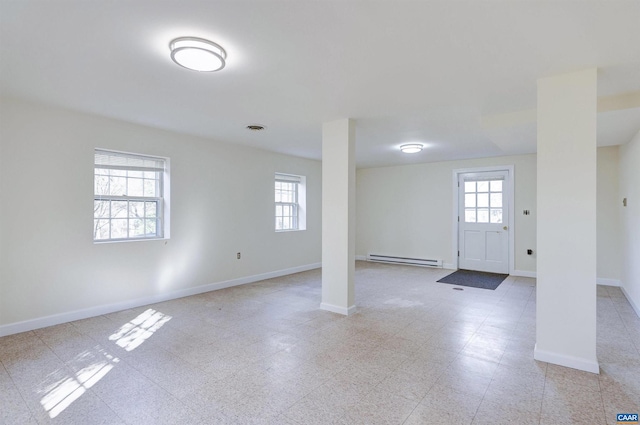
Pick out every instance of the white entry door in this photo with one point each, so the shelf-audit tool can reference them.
(483, 219)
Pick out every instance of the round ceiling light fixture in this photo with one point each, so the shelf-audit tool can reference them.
(411, 148)
(198, 54)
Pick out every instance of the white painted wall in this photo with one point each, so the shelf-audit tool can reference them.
(608, 201)
(630, 219)
(221, 203)
(407, 210)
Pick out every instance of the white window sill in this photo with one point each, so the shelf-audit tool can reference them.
(128, 240)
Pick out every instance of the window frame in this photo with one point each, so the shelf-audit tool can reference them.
(295, 205)
(160, 200)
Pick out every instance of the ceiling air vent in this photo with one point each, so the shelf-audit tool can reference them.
(255, 127)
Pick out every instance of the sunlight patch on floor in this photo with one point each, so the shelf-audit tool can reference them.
(60, 394)
(62, 390)
(138, 330)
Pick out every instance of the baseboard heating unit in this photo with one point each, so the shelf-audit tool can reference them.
(404, 260)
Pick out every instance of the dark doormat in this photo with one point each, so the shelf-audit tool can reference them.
(474, 279)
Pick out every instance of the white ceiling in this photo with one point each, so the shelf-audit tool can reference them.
(425, 71)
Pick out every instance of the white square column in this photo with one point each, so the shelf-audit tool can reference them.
(566, 239)
(338, 216)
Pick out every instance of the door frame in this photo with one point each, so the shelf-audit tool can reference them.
(510, 196)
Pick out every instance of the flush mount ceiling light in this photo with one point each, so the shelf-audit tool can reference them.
(198, 54)
(411, 148)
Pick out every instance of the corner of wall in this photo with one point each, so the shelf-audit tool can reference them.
(629, 204)
(634, 305)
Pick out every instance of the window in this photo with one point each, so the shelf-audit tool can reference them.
(483, 201)
(290, 200)
(129, 196)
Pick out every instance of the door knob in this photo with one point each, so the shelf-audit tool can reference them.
(505, 228)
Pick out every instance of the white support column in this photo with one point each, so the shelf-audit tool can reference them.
(338, 216)
(566, 203)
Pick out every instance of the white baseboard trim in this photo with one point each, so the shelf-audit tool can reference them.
(634, 305)
(346, 311)
(567, 361)
(607, 282)
(523, 273)
(361, 258)
(56, 319)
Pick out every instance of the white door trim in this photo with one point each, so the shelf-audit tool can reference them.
(510, 195)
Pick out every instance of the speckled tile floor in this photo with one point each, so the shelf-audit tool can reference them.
(416, 352)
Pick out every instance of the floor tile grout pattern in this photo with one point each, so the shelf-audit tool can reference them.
(416, 352)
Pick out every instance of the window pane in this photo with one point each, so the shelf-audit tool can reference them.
(119, 209)
(470, 216)
(150, 227)
(120, 173)
(150, 188)
(119, 228)
(101, 229)
(101, 209)
(286, 223)
(134, 187)
(483, 216)
(118, 186)
(496, 200)
(135, 174)
(151, 175)
(483, 199)
(136, 227)
(469, 186)
(136, 209)
(496, 186)
(496, 215)
(150, 209)
(483, 186)
(278, 210)
(278, 223)
(101, 185)
(470, 200)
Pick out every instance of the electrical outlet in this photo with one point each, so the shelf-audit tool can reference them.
(238, 256)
